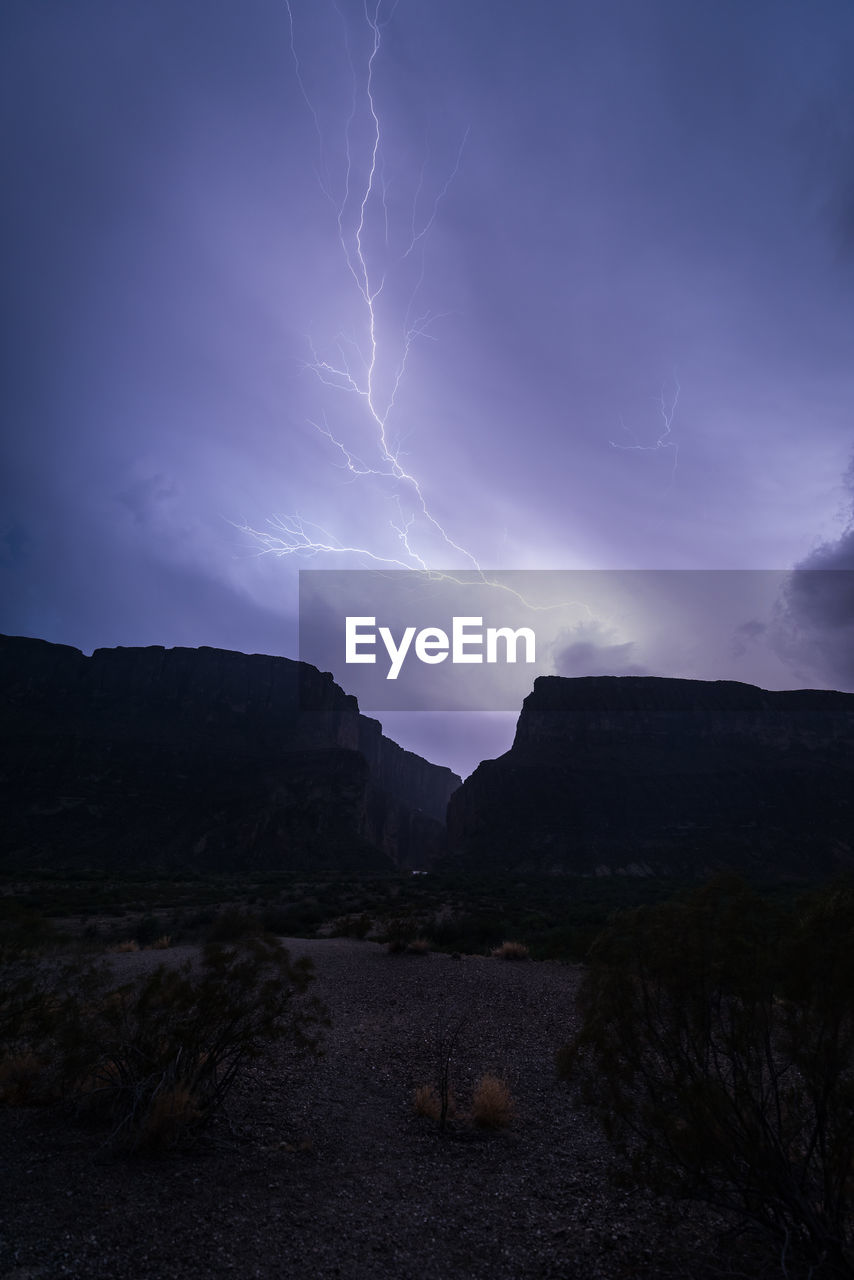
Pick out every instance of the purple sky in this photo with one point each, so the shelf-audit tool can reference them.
(620, 236)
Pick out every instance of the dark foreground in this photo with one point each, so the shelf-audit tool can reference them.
(322, 1168)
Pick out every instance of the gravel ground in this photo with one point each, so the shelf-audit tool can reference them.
(323, 1169)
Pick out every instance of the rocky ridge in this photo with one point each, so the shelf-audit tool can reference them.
(153, 757)
(640, 775)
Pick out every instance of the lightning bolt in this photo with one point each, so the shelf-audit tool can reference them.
(664, 440)
(357, 367)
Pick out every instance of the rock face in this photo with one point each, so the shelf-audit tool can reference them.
(202, 758)
(639, 775)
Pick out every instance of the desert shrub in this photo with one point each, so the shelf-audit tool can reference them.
(38, 1005)
(23, 929)
(234, 925)
(200, 919)
(511, 951)
(471, 930)
(399, 933)
(21, 997)
(717, 1044)
(361, 925)
(492, 1105)
(149, 928)
(352, 926)
(156, 1057)
(279, 920)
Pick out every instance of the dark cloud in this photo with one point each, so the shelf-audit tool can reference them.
(587, 649)
(747, 634)
(814, 629)
(109, 594)
(146, 497)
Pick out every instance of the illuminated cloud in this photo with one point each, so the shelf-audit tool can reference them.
(589, 649)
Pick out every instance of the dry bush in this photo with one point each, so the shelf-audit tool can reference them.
(512, 951)
(437, 1101)
(717, 1046)
(232, 925)
(419, 947)
(36, 1000)
(163, 943)
(492, 1105)
(156, 1057)
(352, 926)
(130, 944)
(398, 935)
(187, 1034)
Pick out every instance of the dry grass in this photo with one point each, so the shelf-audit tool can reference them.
(419, 947)
(428, 1103)
(512, 951)
(172, 1113)
(492, 1105)
(162, 943)
(130, 944)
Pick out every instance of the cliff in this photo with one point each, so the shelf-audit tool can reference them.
(202, 757)
(640, 775)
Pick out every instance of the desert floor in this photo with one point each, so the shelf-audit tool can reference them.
(322, 1168)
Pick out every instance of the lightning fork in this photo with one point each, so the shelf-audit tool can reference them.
(664, 439)
(358, 366)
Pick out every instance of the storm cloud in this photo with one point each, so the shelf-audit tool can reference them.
(569, 212)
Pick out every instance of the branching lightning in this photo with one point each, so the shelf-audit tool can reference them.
(664, 440)
(359, 367)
